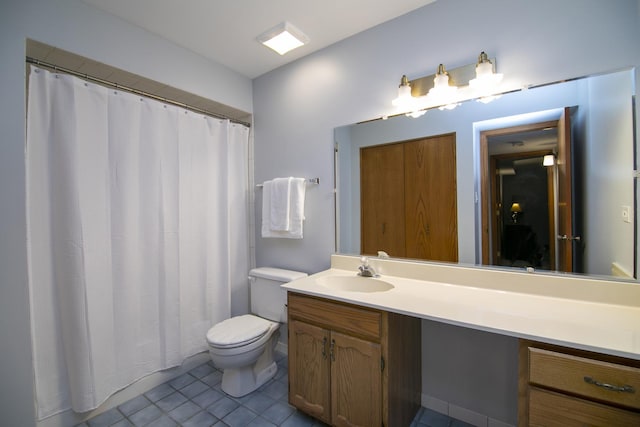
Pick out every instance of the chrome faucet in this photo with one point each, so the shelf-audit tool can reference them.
(365, 270)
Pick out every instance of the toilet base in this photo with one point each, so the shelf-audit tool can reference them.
(241, 381)
(238, 382)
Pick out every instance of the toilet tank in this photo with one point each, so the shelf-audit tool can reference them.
(268, 299)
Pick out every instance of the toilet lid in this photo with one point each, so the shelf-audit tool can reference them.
(238, 331)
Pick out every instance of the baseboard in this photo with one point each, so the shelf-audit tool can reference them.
(459, 413)
(70, 418)
(282, 348)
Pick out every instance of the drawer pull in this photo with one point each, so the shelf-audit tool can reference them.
(623, 389)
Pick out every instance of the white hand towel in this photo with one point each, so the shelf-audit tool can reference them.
(266, 209)
(280, 211)
(296, 218)
(298, 188)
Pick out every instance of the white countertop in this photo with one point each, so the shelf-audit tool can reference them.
(596, 315)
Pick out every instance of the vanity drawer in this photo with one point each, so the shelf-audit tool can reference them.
(590, 378)
(551, 409)
(335, 315)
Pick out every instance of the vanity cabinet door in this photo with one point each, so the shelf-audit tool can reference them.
(336, 369)
(356, 381)
(309, 369)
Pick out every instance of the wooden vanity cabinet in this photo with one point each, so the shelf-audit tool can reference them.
(351, 365)
(560, 386)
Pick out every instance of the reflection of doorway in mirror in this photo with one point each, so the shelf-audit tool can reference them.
(524, 216)
(527, 205)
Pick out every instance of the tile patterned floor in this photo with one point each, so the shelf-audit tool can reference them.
(195, 399)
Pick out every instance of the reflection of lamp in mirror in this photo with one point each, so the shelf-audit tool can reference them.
(548, 160)
(516, 211)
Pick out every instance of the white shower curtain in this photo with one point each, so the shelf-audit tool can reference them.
(137, 235)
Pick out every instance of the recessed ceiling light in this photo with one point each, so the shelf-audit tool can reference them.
(283, 38)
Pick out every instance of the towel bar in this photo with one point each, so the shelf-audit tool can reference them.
(309, 181)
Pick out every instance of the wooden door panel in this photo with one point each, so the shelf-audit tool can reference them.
(431, 199)
(309, 369)
(356, 381)
(565, 223)
(382, 200)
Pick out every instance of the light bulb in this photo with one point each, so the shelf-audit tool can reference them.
(442, 93)
(404, 99)
(485, 79)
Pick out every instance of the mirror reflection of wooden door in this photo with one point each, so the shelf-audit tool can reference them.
(382, 200)
(420, 209)
(496, 212)
(431, 213)
(562, 227)
(565, 214)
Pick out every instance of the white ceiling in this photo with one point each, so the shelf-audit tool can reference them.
(225, 31)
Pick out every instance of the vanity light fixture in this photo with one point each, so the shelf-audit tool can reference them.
(283, 38)
(446, 89)
(548, 160)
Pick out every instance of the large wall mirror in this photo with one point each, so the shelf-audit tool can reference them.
(575, 214)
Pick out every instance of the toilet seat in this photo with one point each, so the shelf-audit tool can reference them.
(238, 331)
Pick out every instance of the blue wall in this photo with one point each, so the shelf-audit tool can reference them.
(297, 107)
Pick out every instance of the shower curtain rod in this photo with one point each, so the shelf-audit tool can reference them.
(103, 82)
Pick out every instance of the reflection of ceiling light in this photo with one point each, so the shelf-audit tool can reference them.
(488, 99)
(416, 113)
(506, 171)
(548, 160)
(283, 38)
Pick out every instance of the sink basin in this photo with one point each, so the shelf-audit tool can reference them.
(355, 283)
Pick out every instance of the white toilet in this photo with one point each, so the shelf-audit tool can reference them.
(242, 346)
